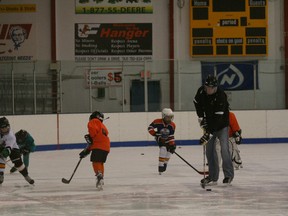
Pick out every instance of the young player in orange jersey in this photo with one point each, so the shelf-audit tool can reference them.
(100, 146)
(163, 130)
(235, 139)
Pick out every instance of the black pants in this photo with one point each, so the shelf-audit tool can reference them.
(98, 155)
(16, 159)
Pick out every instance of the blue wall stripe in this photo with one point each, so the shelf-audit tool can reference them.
(53, 147)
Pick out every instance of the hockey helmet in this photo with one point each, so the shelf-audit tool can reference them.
(4, 126)
(211, 81)
(4, 122)
(167, 115)
(98, 115)
(21, 136)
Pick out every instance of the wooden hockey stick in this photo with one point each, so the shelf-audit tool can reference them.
(204, 160)
(204, 164)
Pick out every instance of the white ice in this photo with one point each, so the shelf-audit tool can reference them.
(133, 186)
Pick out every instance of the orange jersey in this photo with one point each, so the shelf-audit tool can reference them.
(99, 134)
(233, 124)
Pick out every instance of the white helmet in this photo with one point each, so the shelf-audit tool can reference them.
(169, 113)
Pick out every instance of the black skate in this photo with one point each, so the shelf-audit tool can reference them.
(1, 177)
(207, 182)
(13, 169)
(29, 180)
(162, 169)
(227, 180)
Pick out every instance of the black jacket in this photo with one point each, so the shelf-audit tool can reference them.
(215, 107)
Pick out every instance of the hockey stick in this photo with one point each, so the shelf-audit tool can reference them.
(89, 142)
(200, 172)
(106, 118)
(204, 164)
(65, 181)
(204, 160)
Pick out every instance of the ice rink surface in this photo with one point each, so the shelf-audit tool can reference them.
(133, 186)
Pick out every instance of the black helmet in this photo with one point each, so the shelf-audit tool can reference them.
(4, 122)
(98, 115)
(21, 136)
(211, 81)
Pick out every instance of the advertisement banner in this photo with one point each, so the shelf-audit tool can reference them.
(103, 77)
(113, 7)
(17, 42)
(234, 75)
(113, 42)
(18, 8)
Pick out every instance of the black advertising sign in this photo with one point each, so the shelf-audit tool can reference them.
(113, 41)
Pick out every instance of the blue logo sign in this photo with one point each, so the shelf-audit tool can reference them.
(233, 76)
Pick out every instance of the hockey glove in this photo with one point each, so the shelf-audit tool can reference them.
(204, 139)
(5, 153)
(238, 140)
(84, 153)
(203, 123)
(171, 148)
(88, 139)
(237, 137)
(160, 140)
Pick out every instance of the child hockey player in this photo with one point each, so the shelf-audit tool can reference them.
(235, 139)
(9, 147)
(163, 130)
(26, 145)
(100, 146)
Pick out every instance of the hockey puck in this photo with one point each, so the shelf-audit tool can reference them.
(208, 189)
(142, 153)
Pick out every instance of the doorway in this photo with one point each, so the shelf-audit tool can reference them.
(137, 96)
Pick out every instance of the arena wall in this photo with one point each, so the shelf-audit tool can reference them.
(66, 131)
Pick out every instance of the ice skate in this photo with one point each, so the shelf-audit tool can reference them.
(208, 181)
(1, 177)
(99, 181)
(162, 169)
(13, 169)
(237, 164)
(29, 179)
(227, 180)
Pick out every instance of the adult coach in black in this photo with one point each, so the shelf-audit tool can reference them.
(212, 109)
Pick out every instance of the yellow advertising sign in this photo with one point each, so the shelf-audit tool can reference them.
(18, 8)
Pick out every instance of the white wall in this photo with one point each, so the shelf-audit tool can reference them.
(271, 78)
(133, 126)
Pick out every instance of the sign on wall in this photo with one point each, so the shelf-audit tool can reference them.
(103, 77)
(113, 7)
(17, 8)
(17, 42)
(113, 41)
(228, 28)
(234, 75)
